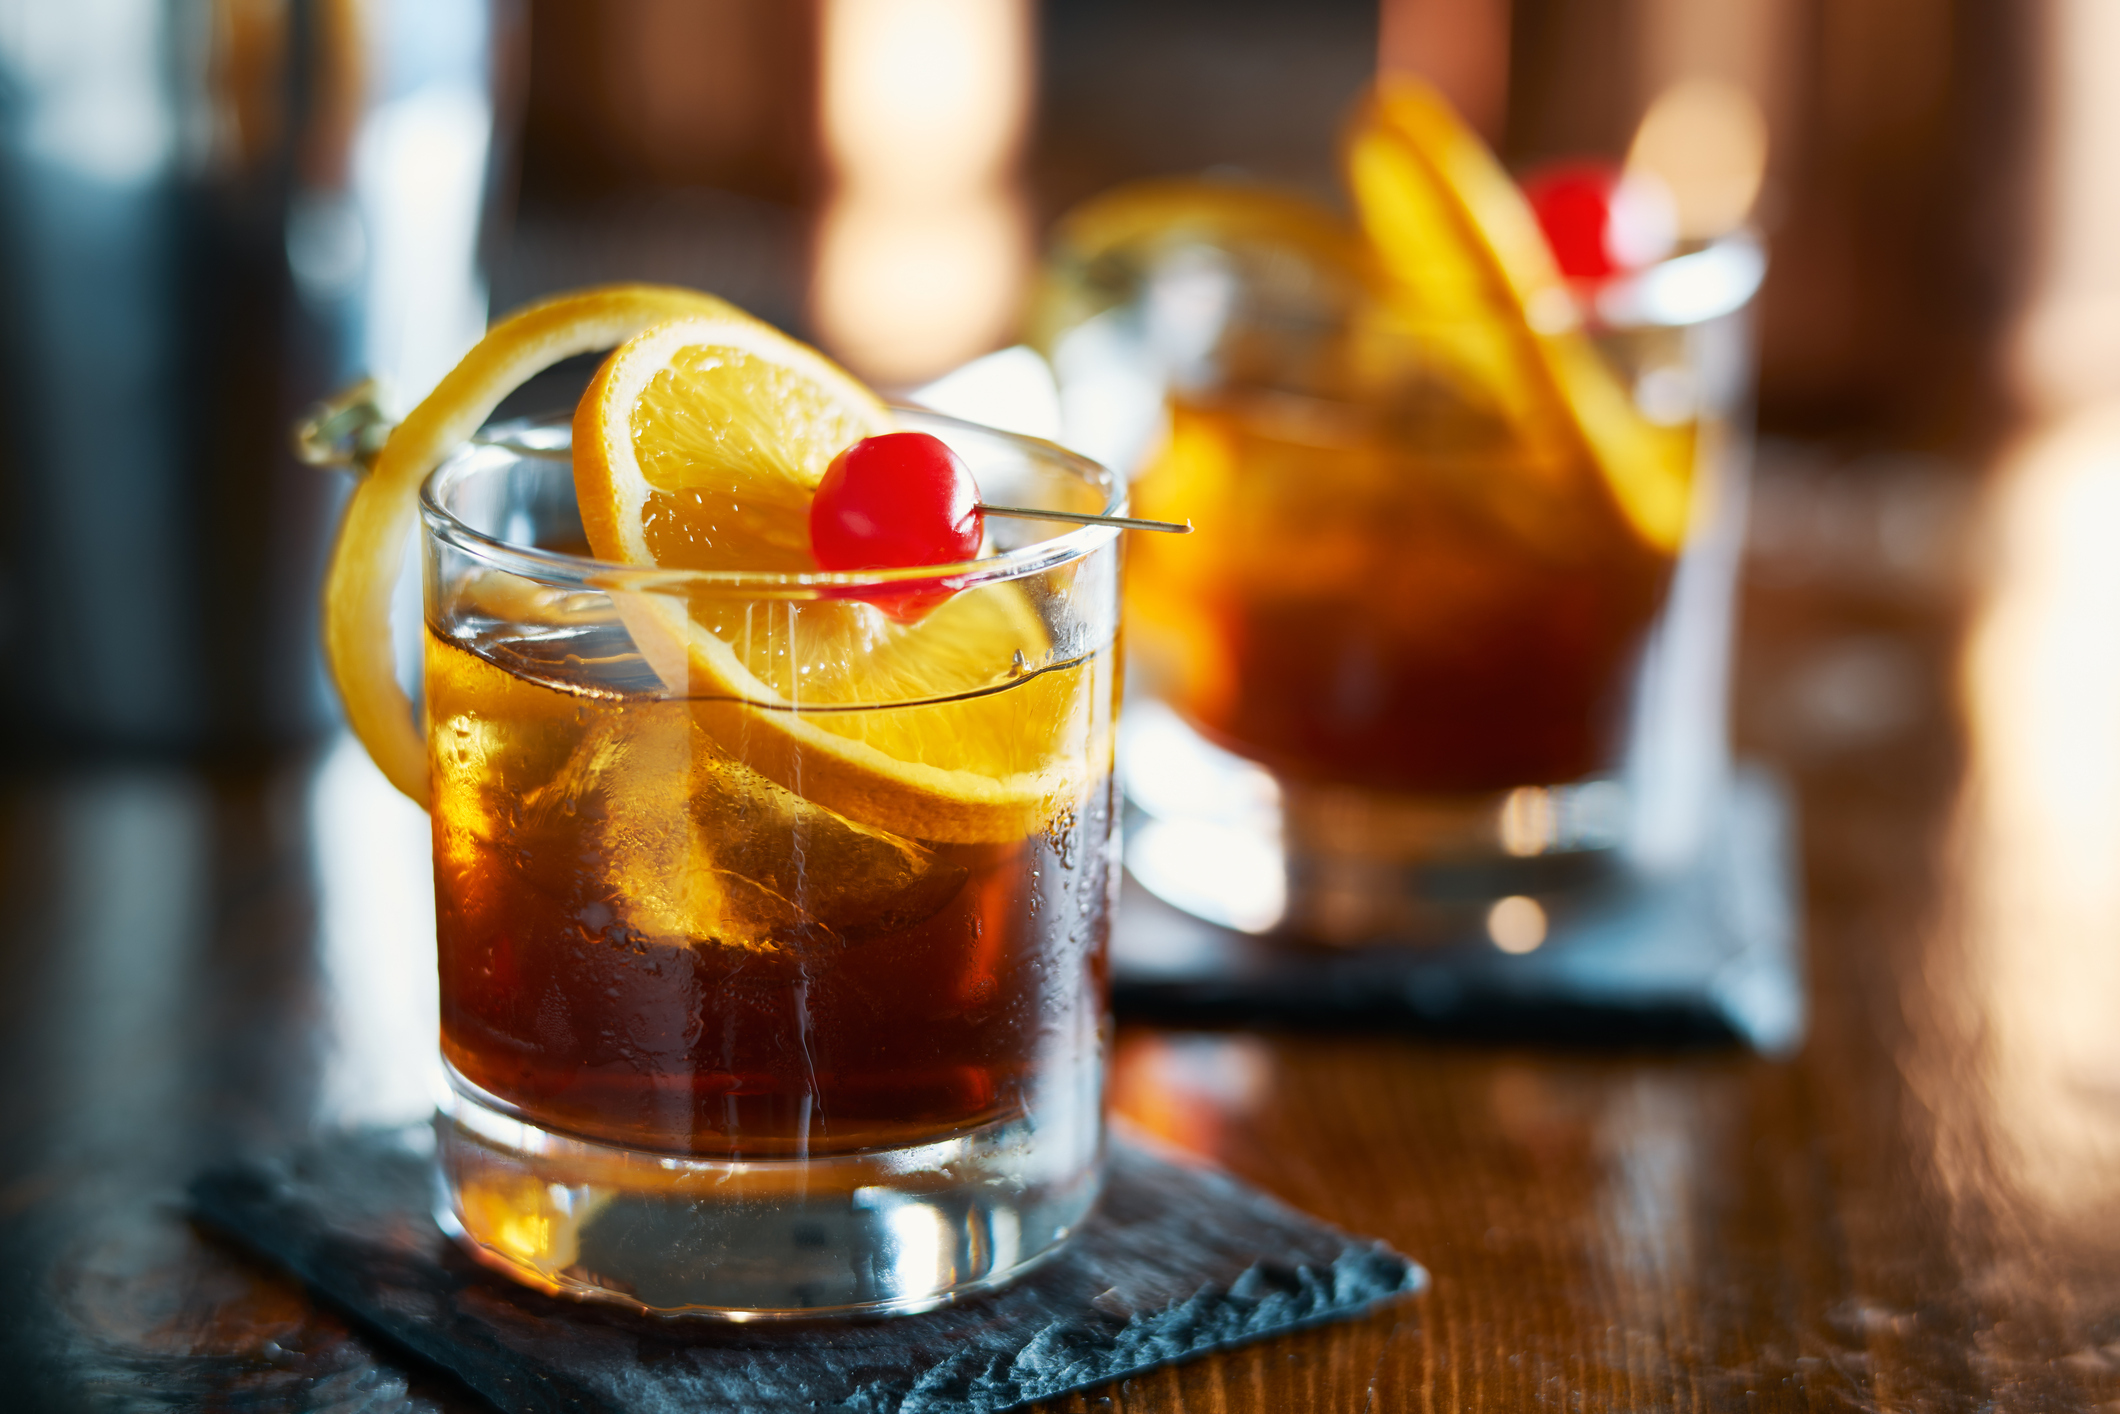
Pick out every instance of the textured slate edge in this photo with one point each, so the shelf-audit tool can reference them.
(238, 1201)
(396, 1295)
(1268, 1298)
(1202, 1324)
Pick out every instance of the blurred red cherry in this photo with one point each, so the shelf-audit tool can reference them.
(900, 499)
(1599, 220)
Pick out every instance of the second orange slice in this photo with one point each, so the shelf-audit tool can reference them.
(1452, 227)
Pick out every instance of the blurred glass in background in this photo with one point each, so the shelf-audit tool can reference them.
(1418, 659)
(1905, 139)
(210, 214)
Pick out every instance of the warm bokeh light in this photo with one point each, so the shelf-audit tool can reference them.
(902, 291)
(925, 97)
(2068, 345)
(1742, 44)
(1517, 924)
(1706, 140)
(2039, 906)
(2039, 901)
(924, 244)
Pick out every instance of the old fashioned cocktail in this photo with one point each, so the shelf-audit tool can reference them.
(1455, 629)
(787, 1000)
(772, 899)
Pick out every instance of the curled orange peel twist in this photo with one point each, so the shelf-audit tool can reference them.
(369, 553)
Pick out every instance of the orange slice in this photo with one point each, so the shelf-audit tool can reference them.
(1180, 207)
(1454, 230)
(1302, 267)
(698, 446)
(370, 548)
(1103, 247)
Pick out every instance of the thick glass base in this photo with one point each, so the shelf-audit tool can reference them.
(1229, 841)
(884, 1232)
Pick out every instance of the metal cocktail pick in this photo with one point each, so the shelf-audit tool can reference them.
(1168, 527)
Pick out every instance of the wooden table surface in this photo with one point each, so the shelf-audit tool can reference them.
(1919, 1211)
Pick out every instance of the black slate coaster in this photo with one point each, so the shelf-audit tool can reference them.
(1712, 955)
(1177, 1260)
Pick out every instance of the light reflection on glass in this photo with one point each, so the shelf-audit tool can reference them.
(376, 940)
(1012, 390)
(1209, 838)
(922, 1245)
(420, 184)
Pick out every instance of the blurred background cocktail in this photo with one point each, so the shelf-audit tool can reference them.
(1456, 627)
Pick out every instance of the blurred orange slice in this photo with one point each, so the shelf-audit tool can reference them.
(1452, 228)
(1102, 248)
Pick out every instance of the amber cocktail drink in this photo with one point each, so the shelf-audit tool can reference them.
(1380, 611)
(735, 974)
(785, 1002)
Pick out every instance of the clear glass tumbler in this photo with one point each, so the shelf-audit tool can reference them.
(1410, 666)
(787, 1001)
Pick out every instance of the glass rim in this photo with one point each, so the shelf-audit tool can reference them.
(1696, 284)
(531, 562)
(1690, 287)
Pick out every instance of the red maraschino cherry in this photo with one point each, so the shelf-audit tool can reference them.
(1599, 220)
(897, 500)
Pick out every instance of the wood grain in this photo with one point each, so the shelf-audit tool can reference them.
(1917, 1212)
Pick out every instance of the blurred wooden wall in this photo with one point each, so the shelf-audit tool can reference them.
(1902, 233)
(1906, 138)
(626, 94)
(1905, 135)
